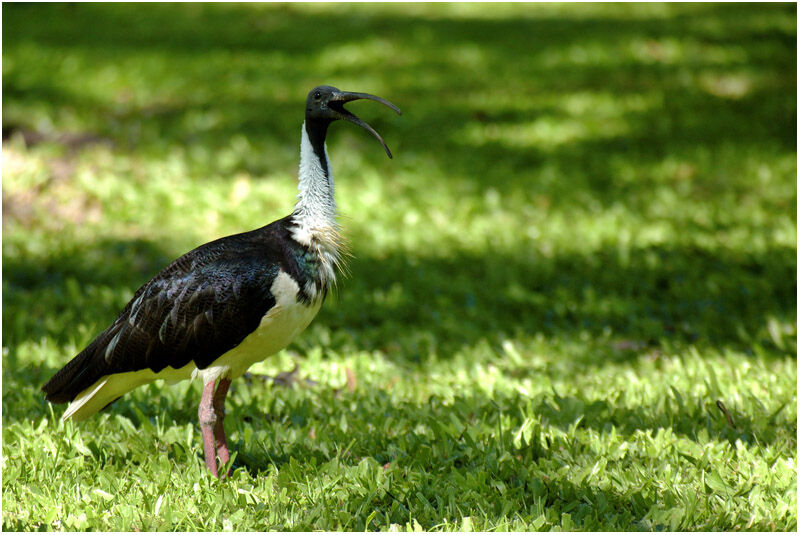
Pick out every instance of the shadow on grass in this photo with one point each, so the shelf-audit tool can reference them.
(654, 295)
(411, 308)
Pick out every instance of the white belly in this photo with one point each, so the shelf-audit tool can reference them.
(277, 329)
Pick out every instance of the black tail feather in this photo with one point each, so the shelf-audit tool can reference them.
(78, 374)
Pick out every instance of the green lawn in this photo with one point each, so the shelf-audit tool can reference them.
(572, 298)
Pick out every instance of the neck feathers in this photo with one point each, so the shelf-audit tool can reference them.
(314, 216)
(315, 206)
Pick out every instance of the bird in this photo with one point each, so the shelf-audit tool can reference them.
(227, 304)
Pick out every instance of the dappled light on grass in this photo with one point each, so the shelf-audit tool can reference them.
(543, 133)
(585, 244)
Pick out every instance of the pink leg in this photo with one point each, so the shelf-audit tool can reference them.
(219, 408)
(207, 417)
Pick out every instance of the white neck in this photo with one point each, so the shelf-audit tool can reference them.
(315, 208)
(314, 215)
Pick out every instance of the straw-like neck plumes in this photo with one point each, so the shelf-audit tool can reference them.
(314, 215)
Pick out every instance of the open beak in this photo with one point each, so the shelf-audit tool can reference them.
(336, 104)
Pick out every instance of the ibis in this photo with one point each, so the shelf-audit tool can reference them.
(225, 305)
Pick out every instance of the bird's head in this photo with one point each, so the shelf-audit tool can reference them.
(325, 104)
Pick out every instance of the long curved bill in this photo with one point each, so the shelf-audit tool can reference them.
(347, 96)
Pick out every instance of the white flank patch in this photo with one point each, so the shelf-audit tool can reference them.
(110, 387)
(279, 326)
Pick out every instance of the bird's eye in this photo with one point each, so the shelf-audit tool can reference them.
(317, 95)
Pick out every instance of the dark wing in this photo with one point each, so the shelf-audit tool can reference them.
(199, 307)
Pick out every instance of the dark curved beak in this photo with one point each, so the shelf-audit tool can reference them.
(347, 96)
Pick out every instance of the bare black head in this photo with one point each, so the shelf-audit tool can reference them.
(325, 104)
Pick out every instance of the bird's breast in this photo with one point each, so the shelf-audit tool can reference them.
(318, 255)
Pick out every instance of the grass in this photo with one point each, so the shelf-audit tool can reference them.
(572, 302)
